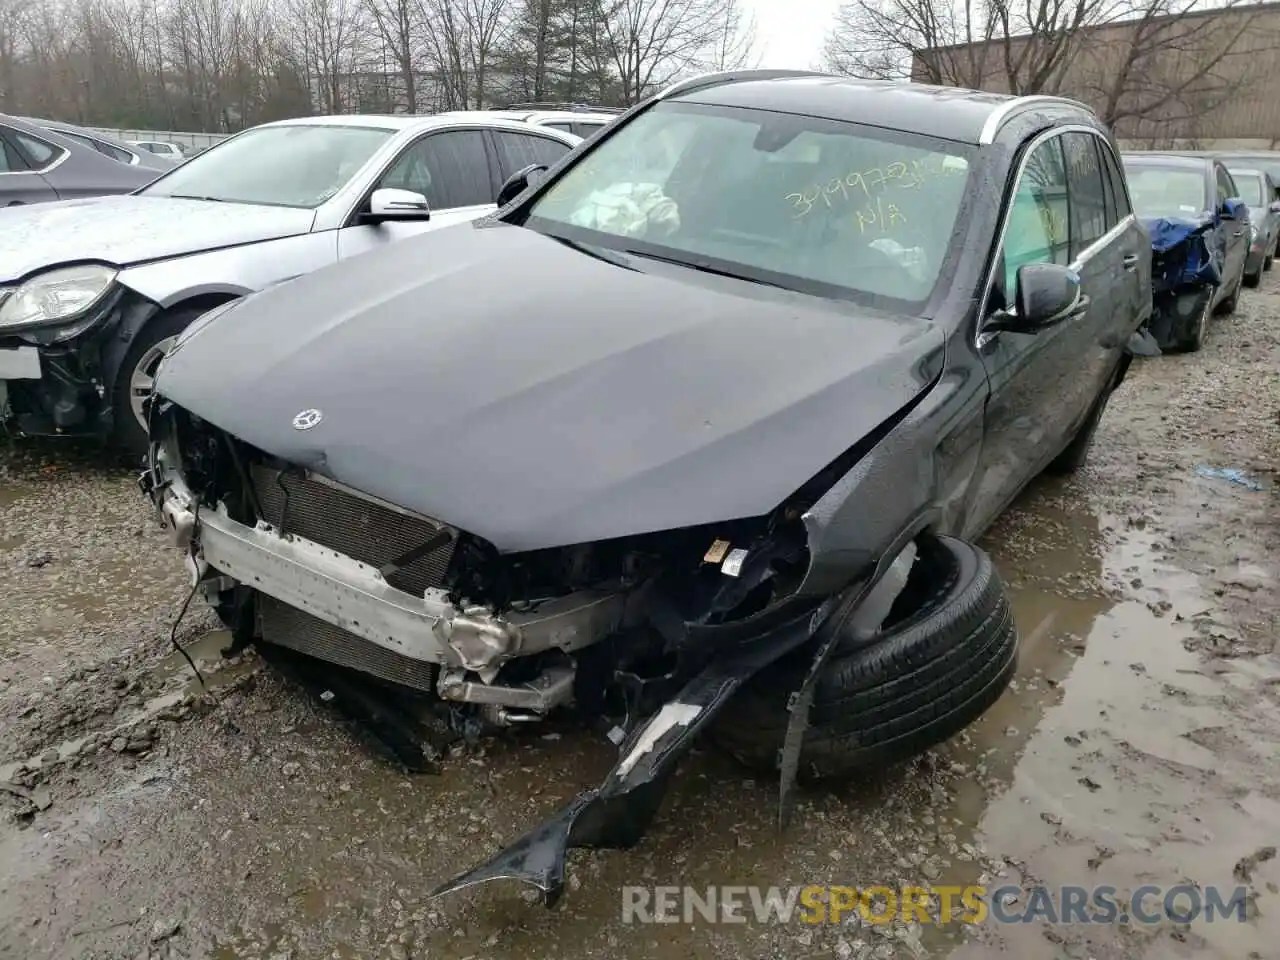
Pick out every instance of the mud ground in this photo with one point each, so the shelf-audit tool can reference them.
(141, 817)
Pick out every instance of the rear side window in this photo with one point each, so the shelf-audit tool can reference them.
(39, 153)
(1226, 186)
(115, 153)
(1088, 195)
(566, 127)
(1119, 195)
(518, 150)
(585, 130)
(10, 160)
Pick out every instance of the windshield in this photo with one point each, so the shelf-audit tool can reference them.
(289, 166)
(1249, 186)
(1267, 164)
(814, 205)
(1166, 191)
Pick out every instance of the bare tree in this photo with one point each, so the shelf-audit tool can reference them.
(1135, 61)
(651, 42)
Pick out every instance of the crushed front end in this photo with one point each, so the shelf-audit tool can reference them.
(650, 635)
(295, 559)
(1185, 274)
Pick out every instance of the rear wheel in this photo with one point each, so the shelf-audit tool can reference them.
(1193, 339)
(945, 655)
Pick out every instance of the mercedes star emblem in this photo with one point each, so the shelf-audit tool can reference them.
(307, 419)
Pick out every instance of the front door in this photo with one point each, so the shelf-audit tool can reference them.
(1235, 233)
(450, 169)
(1042, 383)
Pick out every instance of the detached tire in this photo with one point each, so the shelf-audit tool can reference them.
(946, 654)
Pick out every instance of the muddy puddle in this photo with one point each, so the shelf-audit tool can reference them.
(1087, 772)
(273, 831)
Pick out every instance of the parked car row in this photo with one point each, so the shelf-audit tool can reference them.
(92, 292)
(689, 425)
(1215, 223)
(731, 386)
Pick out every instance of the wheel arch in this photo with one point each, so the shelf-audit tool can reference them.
(140, 312)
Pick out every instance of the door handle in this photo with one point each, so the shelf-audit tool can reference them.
(1238, 233)
(1079, 308)
(1131, 261)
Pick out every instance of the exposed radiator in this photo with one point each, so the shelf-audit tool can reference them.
(352, 524)
(290, 627)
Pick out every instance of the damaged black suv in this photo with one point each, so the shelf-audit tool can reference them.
(729, 388)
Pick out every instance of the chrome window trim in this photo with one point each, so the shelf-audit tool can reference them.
(63, 154)
(982, 337)
(1001, 113)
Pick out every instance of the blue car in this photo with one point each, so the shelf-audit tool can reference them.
(1200, 232)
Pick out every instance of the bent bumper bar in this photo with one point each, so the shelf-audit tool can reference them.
(353, 595)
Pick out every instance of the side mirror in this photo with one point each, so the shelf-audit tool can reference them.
(1275, 206)
(519, 182)
(1234, 209)
(1046, 295)
(389, 205)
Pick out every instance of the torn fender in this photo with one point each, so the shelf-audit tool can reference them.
(616, 814)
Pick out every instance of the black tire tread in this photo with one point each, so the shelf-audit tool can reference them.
(926, 680)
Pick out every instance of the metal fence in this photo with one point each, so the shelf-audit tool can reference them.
(188, 141)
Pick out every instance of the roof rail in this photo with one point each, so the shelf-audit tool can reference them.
(567, 107)
(731, 76)
(1002, 112)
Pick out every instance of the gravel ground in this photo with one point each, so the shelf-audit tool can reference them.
(143, 817)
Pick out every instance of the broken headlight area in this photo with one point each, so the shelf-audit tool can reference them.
(293, 559)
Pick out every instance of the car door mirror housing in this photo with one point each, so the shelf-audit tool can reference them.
(1046, 295)
(520, 181)
(389, 205)
(1234, 209)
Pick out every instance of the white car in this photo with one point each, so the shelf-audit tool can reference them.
(580, 121)
(93, 292)
(161, 149)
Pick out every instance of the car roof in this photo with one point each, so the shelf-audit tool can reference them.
(59, 126)
(399, 122)
(952, 113)
(1180, 160)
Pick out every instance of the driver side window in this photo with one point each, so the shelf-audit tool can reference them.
(449, 169)
(1039, 229)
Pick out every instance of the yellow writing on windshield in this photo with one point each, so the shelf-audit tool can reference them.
(865, 185)
(878, 214)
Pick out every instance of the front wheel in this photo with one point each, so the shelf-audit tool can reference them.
(942, 658)
(137, 376)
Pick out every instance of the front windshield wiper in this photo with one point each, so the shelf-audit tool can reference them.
(188, 196)
(703, 267)
(599, 253)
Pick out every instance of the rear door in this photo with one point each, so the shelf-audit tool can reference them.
(1043, 384)
(20, 183)
(450, 168)
(1133, 294)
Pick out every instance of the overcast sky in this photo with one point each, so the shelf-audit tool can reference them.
(790, 32)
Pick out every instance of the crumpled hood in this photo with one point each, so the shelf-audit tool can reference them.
(535, 396)
(124, 230)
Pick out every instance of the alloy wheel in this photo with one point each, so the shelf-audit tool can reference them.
(142, 380)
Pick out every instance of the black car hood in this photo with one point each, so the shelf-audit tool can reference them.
(530, 394)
